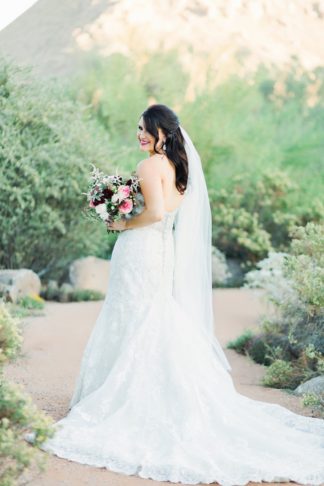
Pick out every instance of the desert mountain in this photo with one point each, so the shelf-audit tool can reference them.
(224, 35)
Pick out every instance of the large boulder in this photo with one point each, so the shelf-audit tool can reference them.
(315, 386)
(90, 273)
(18, 283)
(220, 272)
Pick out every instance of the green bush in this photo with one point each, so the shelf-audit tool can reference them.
(31, 302)
(293, 332)
(302, 318)
(241, 342)
(47, 143)
(305, 268)
(243, 126)
(85, 295)
(252, 218)
(237, 232)
(281, 374)
(10, 335)
(315, 402)
(18, 415)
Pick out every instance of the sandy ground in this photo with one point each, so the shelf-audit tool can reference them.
(50, 360)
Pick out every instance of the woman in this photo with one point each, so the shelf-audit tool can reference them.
(154, 396)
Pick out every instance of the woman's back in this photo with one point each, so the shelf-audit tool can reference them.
(165, 170)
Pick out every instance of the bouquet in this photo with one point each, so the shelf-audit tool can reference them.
(113, 197)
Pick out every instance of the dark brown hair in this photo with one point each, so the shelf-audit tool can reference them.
(160, 116)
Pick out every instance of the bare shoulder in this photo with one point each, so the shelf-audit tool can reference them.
(150, 164)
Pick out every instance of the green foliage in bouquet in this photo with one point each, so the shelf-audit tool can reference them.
(46, 144)
(18, 414)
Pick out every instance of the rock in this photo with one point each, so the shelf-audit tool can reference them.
(18, 283)
(314, 386)
(220, 273)
(90, 273)
(65, 291)
(52, 290)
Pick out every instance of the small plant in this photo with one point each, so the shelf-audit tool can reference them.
(315, 402)
(33, 301)
(86, 295)
(10, 335)
(18, 414)
(281, 374)
(293, 328)
(240, 343)
(61, 294)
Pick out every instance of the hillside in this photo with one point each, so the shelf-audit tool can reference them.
(225, 36)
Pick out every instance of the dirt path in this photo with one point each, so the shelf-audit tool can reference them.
(52, 350)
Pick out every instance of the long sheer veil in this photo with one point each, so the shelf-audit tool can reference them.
(192, 286)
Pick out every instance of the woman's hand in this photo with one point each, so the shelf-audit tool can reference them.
(117, 225)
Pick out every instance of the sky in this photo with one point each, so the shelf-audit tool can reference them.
(11, 9)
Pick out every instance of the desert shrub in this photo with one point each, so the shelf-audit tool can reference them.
(243, 125)
(51, 291)
(238, 233)
(281, 374)
(266, 347)
(313, 401)
(85, 295)
(47, 143)
(18, 415)
(252, 219)
(305, 268)
(31, 302)
(241, 342)
(294, 285)
(10, 335)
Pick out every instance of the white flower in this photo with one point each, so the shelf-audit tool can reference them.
(104, 216)
(269, 276)
(101, 208)
(115, 198)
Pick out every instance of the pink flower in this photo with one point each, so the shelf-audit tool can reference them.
(123, 192)
(126, 206)
(91, 204)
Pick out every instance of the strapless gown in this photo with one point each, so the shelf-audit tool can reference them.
(152, 398)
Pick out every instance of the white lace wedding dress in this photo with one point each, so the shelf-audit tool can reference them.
(153, 400)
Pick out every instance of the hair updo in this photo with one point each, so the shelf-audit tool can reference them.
(160, 116)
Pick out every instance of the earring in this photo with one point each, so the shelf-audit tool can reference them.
(164, 147)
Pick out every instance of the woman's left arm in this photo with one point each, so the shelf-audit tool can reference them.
(151, 186)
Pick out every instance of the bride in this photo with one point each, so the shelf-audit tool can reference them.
(154, 397)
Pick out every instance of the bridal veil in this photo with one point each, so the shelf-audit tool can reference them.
(192, 285)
